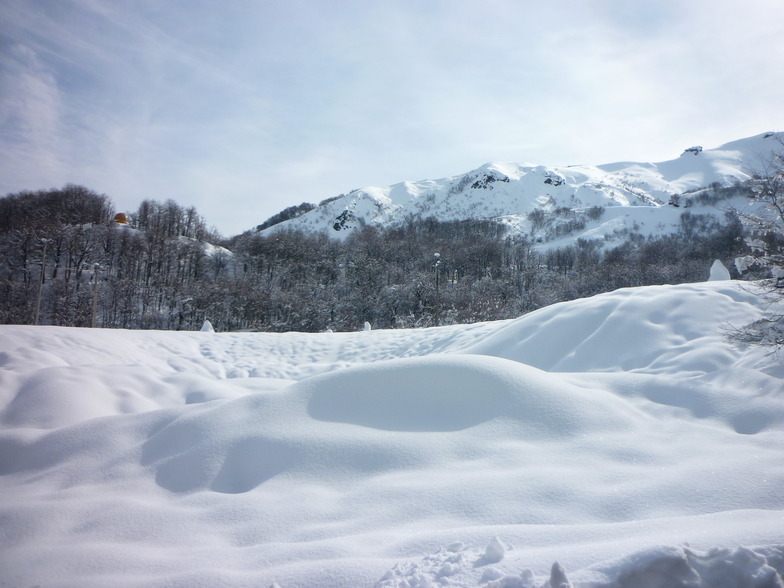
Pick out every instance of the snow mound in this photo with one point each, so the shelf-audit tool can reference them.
(650, 329)
(455, 392)
(216, 450)
(682, 567)
(718, 272)
(59, 396)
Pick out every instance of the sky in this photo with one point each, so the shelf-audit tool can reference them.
(244, 107)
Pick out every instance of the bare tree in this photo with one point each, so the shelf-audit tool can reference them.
(765, 219)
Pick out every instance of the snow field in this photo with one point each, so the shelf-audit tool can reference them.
(623, 436)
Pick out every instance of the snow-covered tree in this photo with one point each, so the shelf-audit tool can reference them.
(765, 217)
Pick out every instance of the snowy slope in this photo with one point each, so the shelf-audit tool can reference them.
(511, 191)
(622, 436)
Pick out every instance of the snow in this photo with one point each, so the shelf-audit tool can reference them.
(622, 436)
(511, 191)
(718, 272)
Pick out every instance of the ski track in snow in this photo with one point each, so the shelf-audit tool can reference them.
(622, 436)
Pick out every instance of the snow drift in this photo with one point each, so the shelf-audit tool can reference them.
(621, 436)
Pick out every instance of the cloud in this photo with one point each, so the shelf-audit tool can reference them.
(30, 113)
(269, 104)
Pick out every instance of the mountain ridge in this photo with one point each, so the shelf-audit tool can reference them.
(510, 192)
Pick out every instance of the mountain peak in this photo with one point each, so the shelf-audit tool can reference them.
(509, 192)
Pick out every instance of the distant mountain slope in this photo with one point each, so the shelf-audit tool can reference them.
(632, 194)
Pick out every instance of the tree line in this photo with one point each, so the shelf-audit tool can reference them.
(65, 262)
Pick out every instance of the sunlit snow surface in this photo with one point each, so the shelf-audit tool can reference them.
(633, 196)
(622, 436)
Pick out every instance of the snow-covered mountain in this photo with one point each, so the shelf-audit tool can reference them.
(642, 196)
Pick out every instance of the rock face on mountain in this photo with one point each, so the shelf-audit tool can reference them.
(603, 200)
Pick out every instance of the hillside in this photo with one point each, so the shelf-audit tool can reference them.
(622, 436)
(636, 196)
(583, 231)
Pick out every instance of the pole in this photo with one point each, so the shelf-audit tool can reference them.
(438, 300)
(40, 283)
(437, 257)
(96, 284)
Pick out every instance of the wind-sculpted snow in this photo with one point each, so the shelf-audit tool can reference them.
(456, 392)
(622, 436)
(647, 330)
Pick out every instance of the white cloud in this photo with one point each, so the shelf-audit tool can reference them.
(30, 114)
(270, 104)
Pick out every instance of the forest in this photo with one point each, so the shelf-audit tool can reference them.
(65, 261)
